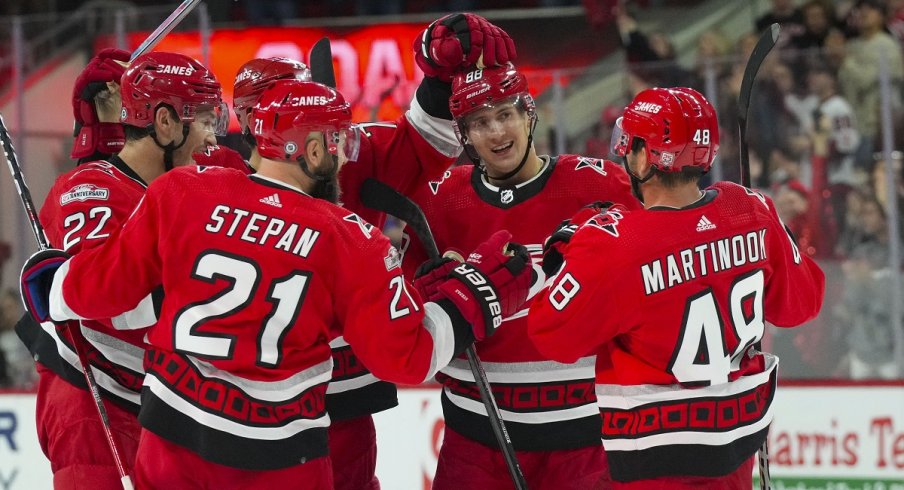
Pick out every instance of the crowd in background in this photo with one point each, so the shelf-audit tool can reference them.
(815, 147)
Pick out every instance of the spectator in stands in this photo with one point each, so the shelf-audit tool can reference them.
(880, 188)
(806, 49)
(652, 57)
(844, 136)
(785, 13)
(712, 51)
(866, 310)
(860, 71)
(16, 366)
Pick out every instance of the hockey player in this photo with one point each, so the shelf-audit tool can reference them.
(256, 272)
(673, 299)
(406, 154)
(548, 407)
(83, 208)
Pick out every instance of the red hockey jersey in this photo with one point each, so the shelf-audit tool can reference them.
(405, 155)
(673, 301)
(256, 274)
(222, 156)
(82, 209)
(546, 405)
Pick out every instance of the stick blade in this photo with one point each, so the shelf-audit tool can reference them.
(757, 56)
(322, 63)
(379, 196)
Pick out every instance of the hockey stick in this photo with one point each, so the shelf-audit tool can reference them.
(41, 238)
(322, 63)
(165, 27)
(759, 53)
(379, 196)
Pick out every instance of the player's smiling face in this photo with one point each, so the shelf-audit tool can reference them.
(499, 134)
(200, 135)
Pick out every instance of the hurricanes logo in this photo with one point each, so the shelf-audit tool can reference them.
(291, 148)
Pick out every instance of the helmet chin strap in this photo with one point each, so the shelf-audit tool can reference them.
(635, 180)
(508, 175)
(248, 138)
(169, 148)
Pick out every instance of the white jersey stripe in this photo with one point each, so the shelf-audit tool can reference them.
(233, 428)
(270, 391)
(476, 406)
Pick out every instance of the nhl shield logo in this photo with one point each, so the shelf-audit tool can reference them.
(291, 148)
(506, 196)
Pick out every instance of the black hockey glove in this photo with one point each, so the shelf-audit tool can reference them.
(554, 245)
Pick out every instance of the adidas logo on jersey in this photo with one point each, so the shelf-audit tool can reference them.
(272, 200)
(705, 224)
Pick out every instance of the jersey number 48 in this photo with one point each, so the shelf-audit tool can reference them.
(701, 355)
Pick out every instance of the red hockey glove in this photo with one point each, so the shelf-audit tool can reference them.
(430, 275)
(492, 284)
(456, 42)
(90, 134)
(36, 279)
(554, 245)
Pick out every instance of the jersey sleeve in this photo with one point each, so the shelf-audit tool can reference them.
(416, 149)
(89, 207)
(122, 271)
(397, 337)
(795, 290)
(571, 316)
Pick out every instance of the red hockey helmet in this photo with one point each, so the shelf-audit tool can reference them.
(175, 80)
(678, 126)
(291, 109)
(258, 74)
(486, 88)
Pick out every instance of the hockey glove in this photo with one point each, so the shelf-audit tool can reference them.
(490, 285)
(91, 134)
(457, 41)
(553, 247)
(36, 279)
(430, 275)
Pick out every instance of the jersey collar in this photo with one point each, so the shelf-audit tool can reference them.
(123, 167)
(509, 196)
(708, 196)
(277, 184)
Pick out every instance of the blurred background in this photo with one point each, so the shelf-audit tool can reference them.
(823, 124)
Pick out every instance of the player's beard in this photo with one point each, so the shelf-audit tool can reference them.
(327, 190)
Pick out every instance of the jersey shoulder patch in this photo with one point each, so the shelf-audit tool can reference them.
(366, 228)
(598, 165)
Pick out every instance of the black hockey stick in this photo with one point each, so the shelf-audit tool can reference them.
(322, 63)
(41, 238)
(379, 196)
(759, 53)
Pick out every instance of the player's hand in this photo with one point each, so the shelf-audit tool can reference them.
(430, 275)
(490, 285)
(554, 245)
(36, 279)
(457, 42)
